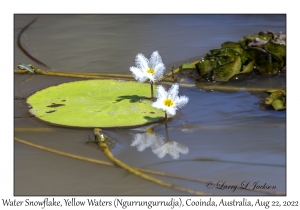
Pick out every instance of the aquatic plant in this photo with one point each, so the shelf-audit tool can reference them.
(276, 99)
(152, 69)
(264, 53)
(95, 103)
(169, 101)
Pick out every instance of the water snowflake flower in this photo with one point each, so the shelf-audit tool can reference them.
(172, 148)
(152, 69)
(169, 101)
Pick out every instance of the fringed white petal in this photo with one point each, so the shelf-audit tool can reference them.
(161, 92)
(159, 104)
(181, 101)
(138, 74)
(170, 110)
(159, 70)
(173, 91)
(154, 59)
(141, 62)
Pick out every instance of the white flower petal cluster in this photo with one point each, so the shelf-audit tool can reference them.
(152, 69)
(169, 101)
(171, 147)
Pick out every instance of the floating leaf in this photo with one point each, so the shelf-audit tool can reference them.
(276, 99)
(224, 72)
(276, 95)
(274, 90)
(205, 67)
(262, 59)
(268, 100)
(248, 68)
(245, 73)
(278, 104)
(277, 49)
(230, 45)
(261, 35)
(95, 103)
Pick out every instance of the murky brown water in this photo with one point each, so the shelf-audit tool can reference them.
(239, 140)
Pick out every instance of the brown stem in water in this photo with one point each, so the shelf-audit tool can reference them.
(166, 128)
(152, 97)
(173, 73)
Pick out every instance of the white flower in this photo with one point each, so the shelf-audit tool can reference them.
(169, 101)
(145, 69)
(171, 147)
(142, 141)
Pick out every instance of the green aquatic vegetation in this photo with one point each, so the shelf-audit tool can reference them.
(95, 103)
(187, 66)
(224, 72)
(264, 52)
(276, 99)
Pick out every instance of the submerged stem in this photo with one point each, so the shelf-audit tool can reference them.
(166, 129)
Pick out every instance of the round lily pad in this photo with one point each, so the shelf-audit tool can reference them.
(95, 103)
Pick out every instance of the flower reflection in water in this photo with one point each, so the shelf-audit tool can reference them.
(148, 139)
(158, 144)
(171, 147)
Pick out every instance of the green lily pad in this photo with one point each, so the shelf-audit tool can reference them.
(95, 103)
(224, 72)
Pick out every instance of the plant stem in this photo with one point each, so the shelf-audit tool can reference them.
(166, 129)
(152, 98)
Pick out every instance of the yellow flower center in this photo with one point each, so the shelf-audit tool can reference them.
(168, 102)
(151, 71)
